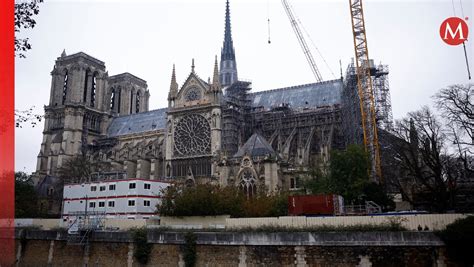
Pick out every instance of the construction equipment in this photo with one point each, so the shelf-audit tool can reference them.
(365, 91)
(302, 41)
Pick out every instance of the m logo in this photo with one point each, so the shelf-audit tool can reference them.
(454, 31)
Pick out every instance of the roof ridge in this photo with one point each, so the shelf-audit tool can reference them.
(126, 74)
(143, 112)
(85, 55)
(293, 87)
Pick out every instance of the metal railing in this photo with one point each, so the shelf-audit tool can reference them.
(369, 207)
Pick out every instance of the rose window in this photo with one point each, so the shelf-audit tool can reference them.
(192, 136)
(192, 95)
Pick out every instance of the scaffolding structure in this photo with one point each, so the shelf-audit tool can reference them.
(302, 137)
(383, 102)
(235, 120)
(352, 119)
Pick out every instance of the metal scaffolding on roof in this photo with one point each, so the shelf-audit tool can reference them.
(383, 102)
(351, 112)
(234, 117)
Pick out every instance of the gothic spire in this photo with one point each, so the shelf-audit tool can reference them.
(216, 85)
(228, 48)
(173, 85)
(215, 78)
(63, 54)
(228, 73)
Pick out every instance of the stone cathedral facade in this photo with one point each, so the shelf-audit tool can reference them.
(216, 131)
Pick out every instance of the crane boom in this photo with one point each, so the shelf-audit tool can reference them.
(302, 41)
(364, 86)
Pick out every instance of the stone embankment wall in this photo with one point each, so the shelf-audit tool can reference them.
(50, 248)
(411, 222)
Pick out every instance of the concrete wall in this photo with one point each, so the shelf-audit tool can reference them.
(432, 221)
(49, 224)
(195, 222)
(50, 248)
(411, 222)
(125, 224)
(45, 224)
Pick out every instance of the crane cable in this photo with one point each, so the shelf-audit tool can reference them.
(312, 42)
(315, 47)
(464, 42)
(462, 10)
(268, 20)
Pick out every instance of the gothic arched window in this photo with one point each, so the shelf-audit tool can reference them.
(112, 99)
(137, 103)
(248, 183)
(94, 83)
(86, 80)
(168, 170)
(131, 102)
(65, 83)
(119, 98)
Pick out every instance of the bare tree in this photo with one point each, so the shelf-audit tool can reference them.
(456, 104)
(78, 169)
(28, 116)
(24, 12)
(421, 150)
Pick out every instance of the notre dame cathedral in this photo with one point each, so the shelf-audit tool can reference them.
(216, 131)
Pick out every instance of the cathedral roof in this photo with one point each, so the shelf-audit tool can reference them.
(126, 76)
(302, 96)
(256, 146)
(87, 58)
(138, 123)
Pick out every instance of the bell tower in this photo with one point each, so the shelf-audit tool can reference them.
(77, 112)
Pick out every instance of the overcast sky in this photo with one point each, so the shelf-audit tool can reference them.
(146, 38)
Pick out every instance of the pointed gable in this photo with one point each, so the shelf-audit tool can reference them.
(256, 146)
(194, 91)
(194, 80)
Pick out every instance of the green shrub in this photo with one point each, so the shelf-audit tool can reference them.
(142, 247)
(212, 200)
(189, 249)
(459, 237)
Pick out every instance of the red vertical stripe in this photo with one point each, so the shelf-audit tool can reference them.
(7, 126)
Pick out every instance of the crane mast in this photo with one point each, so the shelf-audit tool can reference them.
(302, 41)
(365, 89)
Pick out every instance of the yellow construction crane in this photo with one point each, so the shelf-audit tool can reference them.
(364, 80)
(365, 91)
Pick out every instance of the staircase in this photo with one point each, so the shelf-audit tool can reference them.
(82, 227)
(79, 238)
(372, 207)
